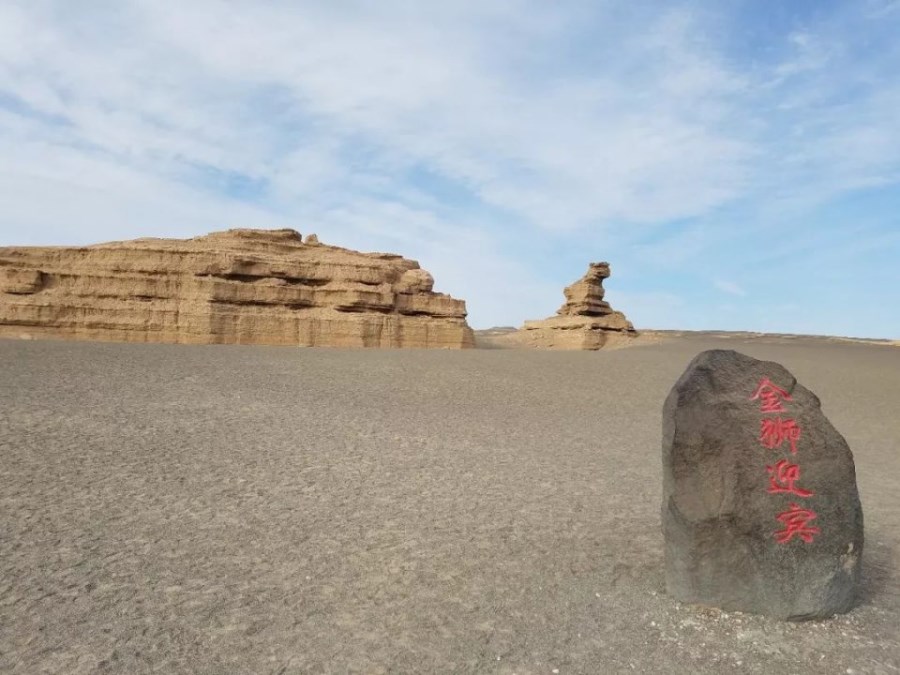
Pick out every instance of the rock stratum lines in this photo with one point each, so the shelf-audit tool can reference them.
(240, 286)
(585, 320)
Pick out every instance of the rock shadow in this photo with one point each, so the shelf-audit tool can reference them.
(879, 568)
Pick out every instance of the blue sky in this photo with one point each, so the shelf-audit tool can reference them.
(738, 163)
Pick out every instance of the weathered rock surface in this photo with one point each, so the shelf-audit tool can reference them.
(760, 506)
(240, 286)
(585, 321)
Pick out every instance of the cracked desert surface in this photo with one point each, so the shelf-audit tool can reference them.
(233, 509)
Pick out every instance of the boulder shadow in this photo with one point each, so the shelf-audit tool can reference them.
(879, 569)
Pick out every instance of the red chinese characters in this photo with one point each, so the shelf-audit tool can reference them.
(774, 431)
(784, 475)
(796, 523)
(770, 396)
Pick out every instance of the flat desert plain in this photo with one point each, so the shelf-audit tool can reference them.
(181, 509)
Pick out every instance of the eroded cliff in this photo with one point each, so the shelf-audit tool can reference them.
(234, 287)
(585, 320)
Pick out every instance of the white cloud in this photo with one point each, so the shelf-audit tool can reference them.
(416, 86)
(729, 287)
(445, 131)
(877, 9)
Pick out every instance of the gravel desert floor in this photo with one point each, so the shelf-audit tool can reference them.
(181, 509)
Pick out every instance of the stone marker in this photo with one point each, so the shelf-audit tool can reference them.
(760, 508)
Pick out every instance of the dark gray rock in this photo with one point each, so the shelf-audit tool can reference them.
(760, 507)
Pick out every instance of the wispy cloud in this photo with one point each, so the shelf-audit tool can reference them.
(729, 287)
(474, 137)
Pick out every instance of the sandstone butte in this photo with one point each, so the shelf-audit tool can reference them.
(585, 321)
(265, 287)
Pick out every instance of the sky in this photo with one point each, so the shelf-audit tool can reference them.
(737, 162)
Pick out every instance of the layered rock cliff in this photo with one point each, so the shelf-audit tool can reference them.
(234, 287)
(585, 320)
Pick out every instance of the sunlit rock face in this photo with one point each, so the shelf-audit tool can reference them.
(234, 287)
(585, 321)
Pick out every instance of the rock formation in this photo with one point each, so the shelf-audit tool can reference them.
(585, 321)
(760, 507)
(235, 287)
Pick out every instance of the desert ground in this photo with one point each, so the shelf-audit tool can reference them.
(227, 509)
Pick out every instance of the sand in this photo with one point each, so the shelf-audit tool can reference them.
(277, 510)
